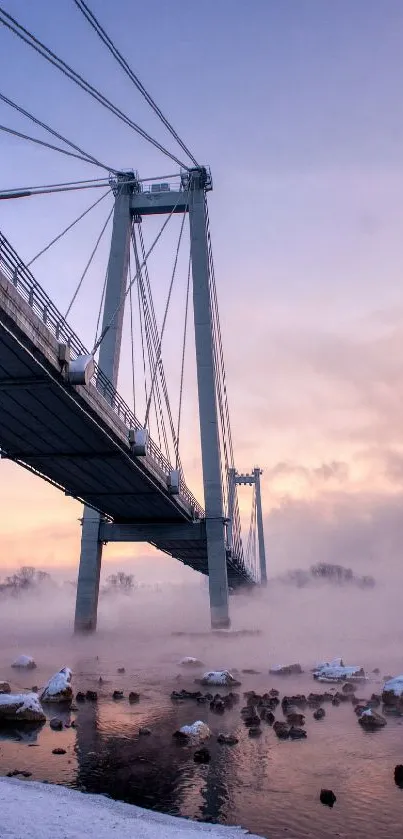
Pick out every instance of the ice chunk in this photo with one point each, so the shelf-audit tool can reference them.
(24, 661)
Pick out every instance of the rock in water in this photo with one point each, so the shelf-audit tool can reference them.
(370, 720)
(121, 670)
(134, 697)
(399, 775)
(5, 687)
(117, 694)
(282, 730)
(339, 673)
(219, 677)
(20, 707)
(392, 692)
(286, 669)
(189, 661)
(202, 756)
(228, 739)
(58, 751)
(56, 724)
(24, 662)
(319, 714)
(144, 731)
(197, 732)
(58, 688)
(91, 695)
(297, 733)
(327, 797)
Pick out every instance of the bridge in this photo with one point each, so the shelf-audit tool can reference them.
(62, 418)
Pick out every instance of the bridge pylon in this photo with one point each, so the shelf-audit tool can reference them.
(251, 479)
(109, 357)
(131, 202)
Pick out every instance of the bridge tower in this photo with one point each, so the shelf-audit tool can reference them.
(252, 479)
(131, 202)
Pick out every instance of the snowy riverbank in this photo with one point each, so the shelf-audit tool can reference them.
(43, 811)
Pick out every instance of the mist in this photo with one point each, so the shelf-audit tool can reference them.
(148, 630)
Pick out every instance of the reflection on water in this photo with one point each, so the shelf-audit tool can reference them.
(269, 786)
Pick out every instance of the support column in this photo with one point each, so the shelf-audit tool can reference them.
(213, 500)
(259, 519)
(109, 355)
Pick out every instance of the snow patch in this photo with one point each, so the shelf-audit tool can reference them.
(43, 812)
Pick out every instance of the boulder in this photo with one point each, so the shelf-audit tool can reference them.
(5, 687)
(58, 751)
(197, 731)
(371, 721)
(286, 669)
(327, 797)
(56, 724)
(58, 688)
(24, 662)
(222, 678)
(392, 692)
(267, 715)
(20, 708)
(134, 697)
(117, 694)
(319, 714)
(189, 661)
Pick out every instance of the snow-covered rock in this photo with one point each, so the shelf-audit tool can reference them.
(58, 688)
(197, 732)
(339, 673)
(189, 661)
(5, 687)
(43, 811)
(24, 662)
(392, 691)
(335, 662)
(285, 669)
(219, 677)
(20, 707)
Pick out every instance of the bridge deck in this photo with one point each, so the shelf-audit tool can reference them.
(77, 437)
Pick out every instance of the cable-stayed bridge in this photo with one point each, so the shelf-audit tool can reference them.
(61, 415)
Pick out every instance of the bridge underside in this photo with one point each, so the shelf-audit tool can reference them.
(74, 439)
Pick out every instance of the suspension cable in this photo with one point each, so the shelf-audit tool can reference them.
(95, 248)
(157, 360)
(27, 193)
(92, 20)
(28, 38)
(101, 303)
(88, 157)
(152, 323)
(66, 229)
(155, 338)
(43, 143)
(183, 361)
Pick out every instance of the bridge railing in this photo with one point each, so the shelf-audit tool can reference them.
(24, 282)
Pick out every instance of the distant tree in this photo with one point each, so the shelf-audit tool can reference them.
(120, 583)
(23, 580)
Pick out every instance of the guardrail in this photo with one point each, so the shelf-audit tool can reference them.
(24, 282)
